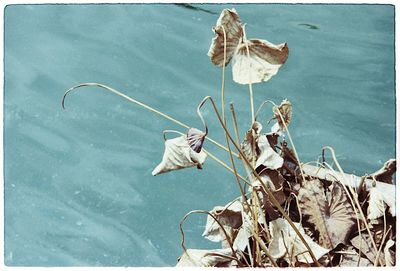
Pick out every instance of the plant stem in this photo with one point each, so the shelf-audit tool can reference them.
(250, 85)
(140, 104)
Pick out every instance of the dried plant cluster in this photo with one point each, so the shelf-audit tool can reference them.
(288, 213)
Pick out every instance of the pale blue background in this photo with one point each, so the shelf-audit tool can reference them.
(78, 184)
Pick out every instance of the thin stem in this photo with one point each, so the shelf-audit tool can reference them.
(219, 161)
(261, 106)
(140, 104)
(250, 85)
(265, 249)
(224, 120)
(235, 125)
(170, 131)
(223, 78)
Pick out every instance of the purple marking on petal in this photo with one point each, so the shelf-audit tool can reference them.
(195, 138)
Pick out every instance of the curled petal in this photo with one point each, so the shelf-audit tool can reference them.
(230, 22)
(285, 108)
(195, 139)
(178, 155)
(262, 62)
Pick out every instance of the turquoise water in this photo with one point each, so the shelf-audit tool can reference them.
(78, 185)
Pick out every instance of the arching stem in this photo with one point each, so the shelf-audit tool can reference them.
(140, 104)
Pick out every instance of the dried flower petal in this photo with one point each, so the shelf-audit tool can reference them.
(285, 108)
(230, 21)
(195, 139)
(179, 155)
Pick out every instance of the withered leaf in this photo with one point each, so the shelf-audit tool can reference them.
(350, 259)
(262, 62)
(386, 172)
(205, 258)
(244, 233)
(286, 243)
(268, 157)
(390, 256)
(376, 204)
(230, 218)
(332, 214)
(274, 181)
(178, 155)
(250, 139)
(230, 21)
(364, 244)
(285, 109)
(259, 64)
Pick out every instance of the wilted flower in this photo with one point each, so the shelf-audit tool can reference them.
(285, 108)
(179, 154)
(254, 60)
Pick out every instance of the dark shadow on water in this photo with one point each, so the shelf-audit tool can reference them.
(310, 26)
(189, 6)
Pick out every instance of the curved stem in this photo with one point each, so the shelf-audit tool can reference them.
(171, 131)
(228, 239)
(140, 104)
(261, 106)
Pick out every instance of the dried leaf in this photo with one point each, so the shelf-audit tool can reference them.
(285, 108)
(268, 157)
(230, 21)
(350, 259)
(388, 191)
(262, 62)
(195, 138)
(363, 243)
(251, 138)
(376, 203)
(230, 218)
(242, 238)
(179, 155)
(390, 256)
(286, 243)
(274, 181)
(332, 214)
(205, 258)
(386, 172)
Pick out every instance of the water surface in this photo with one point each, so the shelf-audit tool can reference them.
(78, 184)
